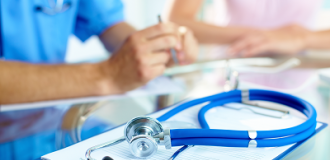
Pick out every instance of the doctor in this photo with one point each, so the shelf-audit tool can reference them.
(34, 40)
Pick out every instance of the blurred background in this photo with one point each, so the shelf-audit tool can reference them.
(139, 13)
(143, 13)
(75, 122)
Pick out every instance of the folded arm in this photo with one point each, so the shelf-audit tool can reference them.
(184, 12)
(290, 39)
(318, 40)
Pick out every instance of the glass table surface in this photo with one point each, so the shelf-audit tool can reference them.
(30, 133)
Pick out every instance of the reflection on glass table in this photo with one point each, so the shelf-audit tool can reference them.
(301, 82)
(29, 134)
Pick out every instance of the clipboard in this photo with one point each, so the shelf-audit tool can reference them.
(78, 150)
(285, 153)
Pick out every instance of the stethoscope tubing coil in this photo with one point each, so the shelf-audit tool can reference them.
(236, 138)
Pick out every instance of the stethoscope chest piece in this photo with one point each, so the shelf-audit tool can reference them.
(143, 146)
(144, 134)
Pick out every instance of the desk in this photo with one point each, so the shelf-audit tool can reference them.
(37, 130)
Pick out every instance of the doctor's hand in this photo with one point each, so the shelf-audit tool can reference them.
(145, 55)
(286, 40)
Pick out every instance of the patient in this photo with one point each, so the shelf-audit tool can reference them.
(257, 26)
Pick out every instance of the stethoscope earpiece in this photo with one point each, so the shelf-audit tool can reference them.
(53, 10)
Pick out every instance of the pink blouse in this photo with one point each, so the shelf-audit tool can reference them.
(267, 14)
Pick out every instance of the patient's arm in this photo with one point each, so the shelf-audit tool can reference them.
(184, 13)
(318, 40)
(290, 39)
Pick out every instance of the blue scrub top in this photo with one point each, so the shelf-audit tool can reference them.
(33, 36)
(36, 37)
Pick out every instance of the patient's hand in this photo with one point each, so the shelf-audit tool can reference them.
(286, 40)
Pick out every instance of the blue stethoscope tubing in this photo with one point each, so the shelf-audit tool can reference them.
(240, 138)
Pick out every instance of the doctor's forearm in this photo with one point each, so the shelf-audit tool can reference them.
(113, 37)
(21, 82)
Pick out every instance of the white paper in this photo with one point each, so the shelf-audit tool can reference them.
(158, 86)
(286, 65)
(219, 117)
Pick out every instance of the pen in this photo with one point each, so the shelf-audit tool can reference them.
(172, 50)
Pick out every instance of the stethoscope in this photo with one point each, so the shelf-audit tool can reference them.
(144, 134)
(55, 7)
